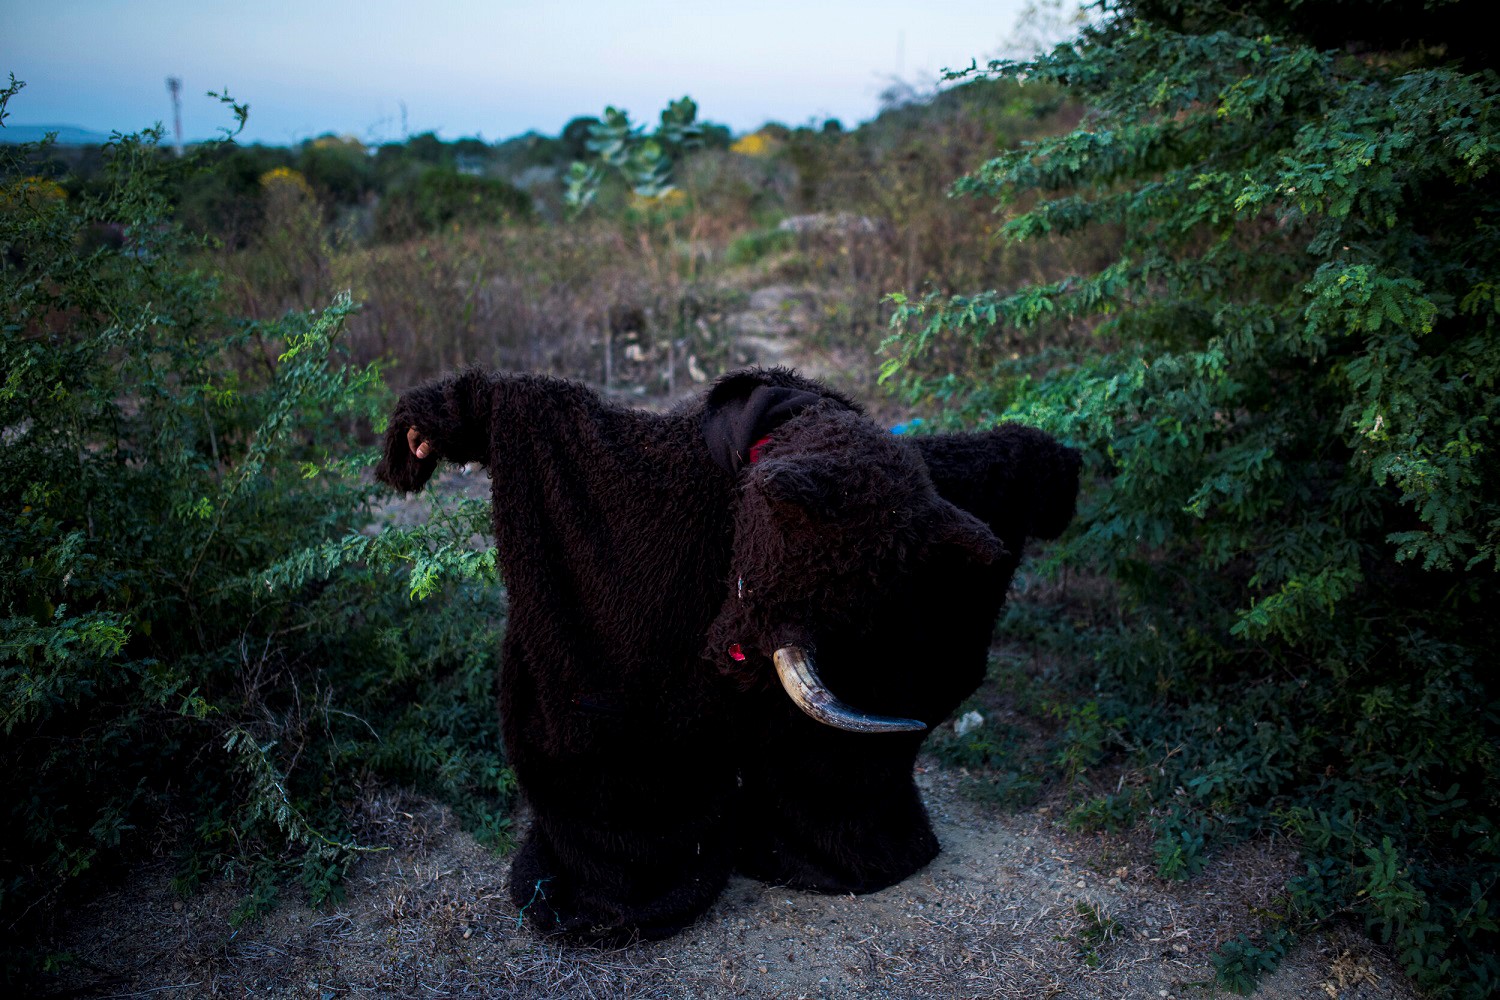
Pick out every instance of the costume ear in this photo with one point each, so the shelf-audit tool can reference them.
(960, 528)
(807, 485)
(1020, 481)
(1056, 468)
(741, 411)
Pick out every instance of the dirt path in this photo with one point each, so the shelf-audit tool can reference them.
(1014, 907)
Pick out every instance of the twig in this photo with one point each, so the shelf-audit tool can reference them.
(154, 989)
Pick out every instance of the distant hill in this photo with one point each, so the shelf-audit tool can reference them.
(67, 135)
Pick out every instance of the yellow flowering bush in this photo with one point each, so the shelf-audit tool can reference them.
(284, 181)
(754, 144)
(33, 192)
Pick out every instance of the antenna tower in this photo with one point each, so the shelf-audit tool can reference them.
(174, 87)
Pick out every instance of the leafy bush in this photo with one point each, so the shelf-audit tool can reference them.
(622, 149)
(441, 198)
(756, 246)
(224, 195)
(337, 168)
(195, 624)
(1285, 382)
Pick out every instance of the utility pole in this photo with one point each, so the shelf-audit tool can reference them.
(174, 87)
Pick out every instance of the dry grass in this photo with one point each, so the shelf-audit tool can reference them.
(640, 300)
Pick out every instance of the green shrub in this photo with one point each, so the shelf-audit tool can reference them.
(756, 246)
(1113, 811)
(337, 168)
(442, 198)
(1285, 384)
(224, 196)
(196, 629)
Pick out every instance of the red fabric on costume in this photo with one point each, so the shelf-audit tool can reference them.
(756, 447)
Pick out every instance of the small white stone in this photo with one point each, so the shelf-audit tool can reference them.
(967, 722)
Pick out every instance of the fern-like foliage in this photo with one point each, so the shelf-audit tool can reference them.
(1290, 405)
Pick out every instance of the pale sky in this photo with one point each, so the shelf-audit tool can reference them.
(492, 70)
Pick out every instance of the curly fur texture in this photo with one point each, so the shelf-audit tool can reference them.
(838, 811)
(653, 568)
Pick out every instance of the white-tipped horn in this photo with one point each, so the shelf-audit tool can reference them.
(795, 669)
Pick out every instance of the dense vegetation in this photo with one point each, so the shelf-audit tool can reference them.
(196, 634)
(1286, 384)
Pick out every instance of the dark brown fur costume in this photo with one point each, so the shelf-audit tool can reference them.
(645, 553)
(839, 811)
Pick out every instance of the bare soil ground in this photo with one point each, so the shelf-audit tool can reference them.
(1015, 906)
